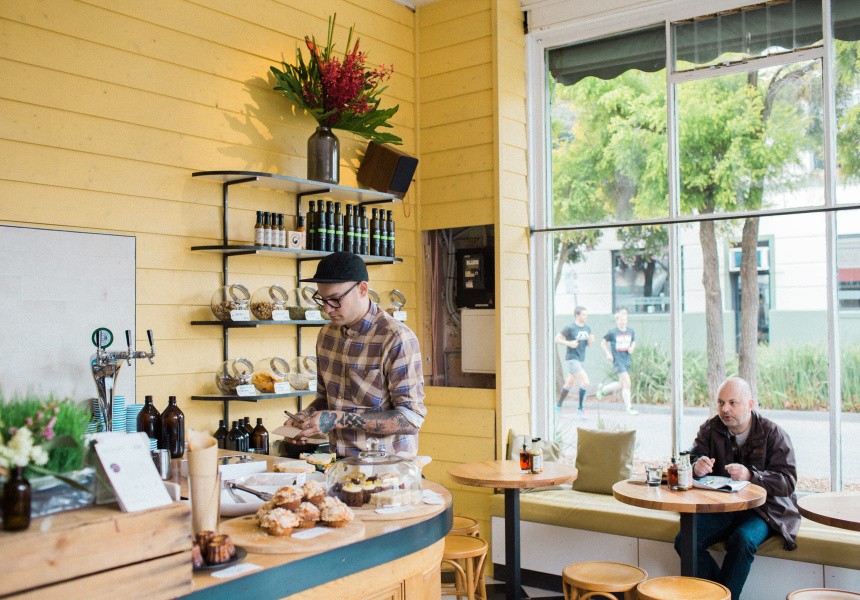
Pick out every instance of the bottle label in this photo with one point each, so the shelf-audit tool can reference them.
(240, 315)
(282, 242)
(537, 463)
(267, 237)
(313, 315)
(283, 387)
(400, 315)
(246, 390)
(280, 315)
(685, 479)
(258, 236)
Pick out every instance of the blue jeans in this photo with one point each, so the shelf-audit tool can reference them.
(743, 532)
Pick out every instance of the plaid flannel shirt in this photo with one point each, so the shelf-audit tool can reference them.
(373, 366)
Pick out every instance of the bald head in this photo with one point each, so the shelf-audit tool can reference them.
(735, 404)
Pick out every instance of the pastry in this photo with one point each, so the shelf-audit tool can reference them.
(308, 515)
(335, 513)
(287, 497)
(313, 492)
(368, 487)
(196, 556)
(219, 550)
(293, 466)
(204, 537)
(352, 494)
(279, 521)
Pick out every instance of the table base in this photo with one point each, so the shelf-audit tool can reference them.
(688, 542)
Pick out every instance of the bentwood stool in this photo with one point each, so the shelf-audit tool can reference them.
(822, 594)
(594, 579)
(466, 555)
(688, 588)
(464, 526)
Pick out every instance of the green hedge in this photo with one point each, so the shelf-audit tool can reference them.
(790, 376)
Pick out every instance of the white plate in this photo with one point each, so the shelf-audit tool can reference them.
(262, 482)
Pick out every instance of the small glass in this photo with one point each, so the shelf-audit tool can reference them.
(653, 475)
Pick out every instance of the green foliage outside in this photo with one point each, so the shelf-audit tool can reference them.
(790, 376)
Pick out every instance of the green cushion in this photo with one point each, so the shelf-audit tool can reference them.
(603, 458)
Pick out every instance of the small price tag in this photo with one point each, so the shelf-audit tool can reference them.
(311, 533)
(240, 315)
(246, 390)
(312, 385)
(400, 315)
(283, 387)
(280, 315)
(313, 315)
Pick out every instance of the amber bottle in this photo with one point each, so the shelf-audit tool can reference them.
(173, 429)
(525, 459)
(149, 420)
(220, 434)
(672, 474)
(16, 501)
(260, 439)
(236, 438)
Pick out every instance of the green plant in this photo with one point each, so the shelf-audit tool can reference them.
(341, 93)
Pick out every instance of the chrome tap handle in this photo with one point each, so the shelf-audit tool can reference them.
(151, 355)
(130, 347)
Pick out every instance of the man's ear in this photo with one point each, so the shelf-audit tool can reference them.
(363, 286)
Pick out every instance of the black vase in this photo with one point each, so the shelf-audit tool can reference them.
(323, 156)
(16, 501)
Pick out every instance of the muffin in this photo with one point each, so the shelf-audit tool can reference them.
(264, 510)
(313, 492)
(352, 495)
(308, 515)
(287, 497)
(219, 550)
(335, 513)
(279, 521)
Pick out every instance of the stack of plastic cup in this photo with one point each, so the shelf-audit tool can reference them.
(153, 444)
(98, 422)
(118, 413)
(131, 412)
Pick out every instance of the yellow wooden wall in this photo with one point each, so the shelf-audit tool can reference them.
(471, 116)
(108, 106)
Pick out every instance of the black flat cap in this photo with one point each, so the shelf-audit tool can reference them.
(338, 268)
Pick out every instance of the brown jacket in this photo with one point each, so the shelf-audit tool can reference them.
(769, 456)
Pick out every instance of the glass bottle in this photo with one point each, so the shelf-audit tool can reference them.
(246, 423)
(390, 234)
(267, 230)
(310, 239)
(321, 227)
(221, 434)
(149, 420)
(537, 456)
(329, 223)
(374, 232)
(365, 233)
(258, 229)
(685, 472)
(383, 234)
(300, 227)
(236, 438)
(525, 459)
(282, 232)
(173, 429)
(16, 501)
(260, 438)
(672, 474)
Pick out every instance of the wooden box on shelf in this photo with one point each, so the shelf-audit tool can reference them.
(100, 552)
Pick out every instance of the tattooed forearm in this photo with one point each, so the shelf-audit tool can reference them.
(327, 420)
(385, 423)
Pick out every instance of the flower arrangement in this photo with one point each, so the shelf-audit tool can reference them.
(340, 93)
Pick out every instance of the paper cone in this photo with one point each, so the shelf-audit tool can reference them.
(204, 482)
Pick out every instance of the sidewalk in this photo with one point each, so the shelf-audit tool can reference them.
(809, 432)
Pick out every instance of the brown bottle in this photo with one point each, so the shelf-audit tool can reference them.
(525, 459)
(220, 434)
(16, 501)
(246, 423)
(173, 429)
(236, 438)
(260, 439)
(149, 420)
(672, 474)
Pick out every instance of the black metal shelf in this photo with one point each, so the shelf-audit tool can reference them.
(301, 255)
(250, 324)
(296, 185)
(257, 398)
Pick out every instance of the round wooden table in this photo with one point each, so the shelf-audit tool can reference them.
(688, 503)
(837, 509)
(505, 474)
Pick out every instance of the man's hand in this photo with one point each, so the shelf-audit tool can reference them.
(321, 422)
(574, 343)
(609, 357)
(703, 466)
(738, 472)
(302, 417)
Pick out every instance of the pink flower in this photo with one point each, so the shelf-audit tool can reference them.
(12, 430)
(29, 421)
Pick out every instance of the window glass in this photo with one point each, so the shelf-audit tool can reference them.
(847, 120)
(848, 263)
(640, 270)
(751, 141)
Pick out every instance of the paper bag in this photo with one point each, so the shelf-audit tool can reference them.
(204, 485)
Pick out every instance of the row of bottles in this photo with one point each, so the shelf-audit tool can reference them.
(270, 230)
(243, 437)
(329, 230)
(531, 459)
(679, 475)
(167, 428)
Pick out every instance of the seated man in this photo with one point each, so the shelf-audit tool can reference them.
(741, 444)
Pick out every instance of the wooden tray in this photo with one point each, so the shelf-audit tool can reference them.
(246, 533)
(368, 512)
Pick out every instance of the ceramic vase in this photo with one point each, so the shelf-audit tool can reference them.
(323, 156)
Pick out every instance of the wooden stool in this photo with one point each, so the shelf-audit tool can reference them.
(464, 526)
(594, 579)
(466, 555)
(822, 594)
(688, 588)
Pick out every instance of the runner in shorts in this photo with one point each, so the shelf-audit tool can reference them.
(576, 337)
(618, 344)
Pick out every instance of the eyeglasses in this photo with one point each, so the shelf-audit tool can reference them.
(332, 302)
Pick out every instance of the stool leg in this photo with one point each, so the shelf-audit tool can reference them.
(470, 579)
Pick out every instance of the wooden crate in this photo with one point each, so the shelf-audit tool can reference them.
(100, 552)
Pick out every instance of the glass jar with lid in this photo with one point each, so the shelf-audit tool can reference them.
(313, 311)
(375, 479)
(270, 303)
(234, 377)
(271, 375)
(303, 373)
(231, 303)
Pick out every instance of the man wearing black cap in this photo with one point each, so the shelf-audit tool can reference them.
(370, 382)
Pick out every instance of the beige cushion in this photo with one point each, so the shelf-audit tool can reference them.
(603, 458)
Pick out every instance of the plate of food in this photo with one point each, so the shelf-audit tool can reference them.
(235, 502)
(211, 551)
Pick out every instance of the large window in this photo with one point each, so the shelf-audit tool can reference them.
(740, 119)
